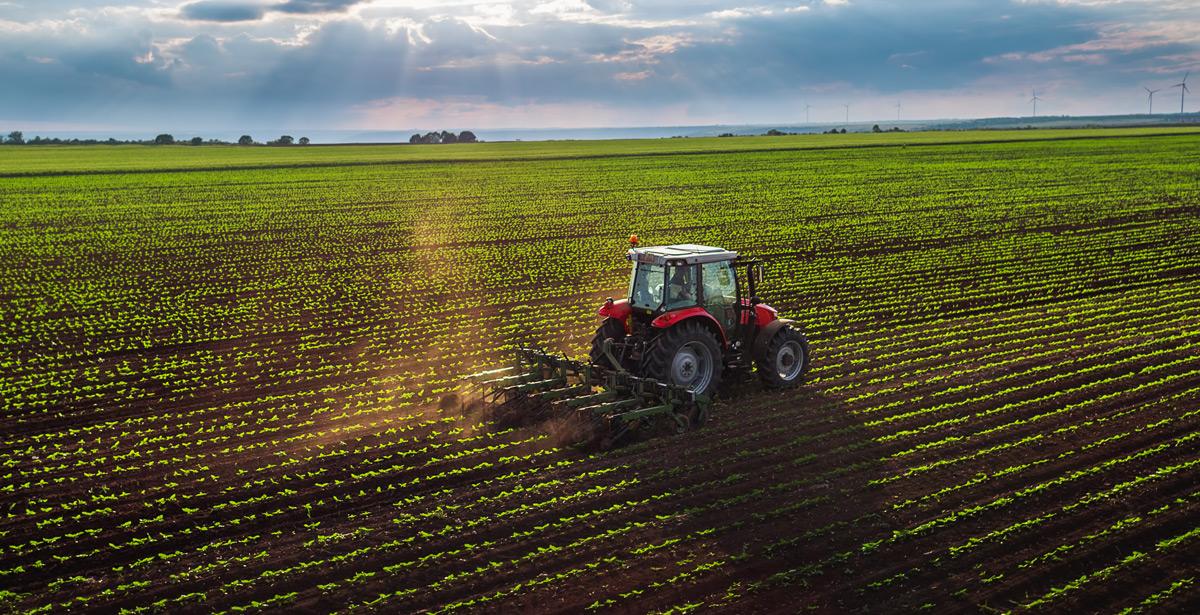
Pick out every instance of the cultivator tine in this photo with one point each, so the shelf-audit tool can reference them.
(699, 412)
(645, 413)
(564, 394)
(611, 407)
(505, 380)
(617, 436)
(490, 372)
(588, 400)
(531, 387)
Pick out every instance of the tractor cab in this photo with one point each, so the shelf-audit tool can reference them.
(674, 277)
(671, 283)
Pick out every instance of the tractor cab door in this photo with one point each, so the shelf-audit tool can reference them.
(681, 287)
(720, 293)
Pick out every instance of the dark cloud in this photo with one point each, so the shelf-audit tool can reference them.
(120, 63)
(308, 7)
(219, 10)
(946, 43)
(227, 11)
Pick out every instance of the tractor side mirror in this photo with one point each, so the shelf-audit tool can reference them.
(756, 275)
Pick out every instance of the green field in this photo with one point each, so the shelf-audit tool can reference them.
(223, 371)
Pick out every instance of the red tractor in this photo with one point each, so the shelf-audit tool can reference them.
(692, 314)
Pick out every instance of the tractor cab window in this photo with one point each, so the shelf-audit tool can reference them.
(653, 287)
(720, 292)
(681, 290)
(646, 286)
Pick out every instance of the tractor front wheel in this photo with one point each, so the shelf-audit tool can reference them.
(688, 355)
(785, 361)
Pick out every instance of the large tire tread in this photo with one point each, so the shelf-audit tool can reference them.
(766, 366)
(662, 350)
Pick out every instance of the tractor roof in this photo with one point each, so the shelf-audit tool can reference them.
(680, 254)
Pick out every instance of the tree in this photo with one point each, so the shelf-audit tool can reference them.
(16, 137)
(284, 140)
(876, 128)
(431, 137)
(449, 137)
(164, 139)
(414, 139)
(197, 141)
(466, 136)
(245, 140)
(304, 141)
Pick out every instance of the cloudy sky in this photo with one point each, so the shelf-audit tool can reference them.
(401, 64)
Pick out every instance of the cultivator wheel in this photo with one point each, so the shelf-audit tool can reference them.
(603, 407)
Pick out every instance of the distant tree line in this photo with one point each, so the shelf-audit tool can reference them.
(775, 132)
(444, 136)
(17, 137)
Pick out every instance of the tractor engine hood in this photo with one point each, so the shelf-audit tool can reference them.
(616, 308)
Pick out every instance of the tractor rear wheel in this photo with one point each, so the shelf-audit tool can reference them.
(688, 355)
(785, 361)
(612, 329)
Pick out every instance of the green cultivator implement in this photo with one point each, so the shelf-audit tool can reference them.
(603, 406)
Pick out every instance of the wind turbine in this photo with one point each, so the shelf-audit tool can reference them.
(1034, 100)
(806, 109)
(1151, 97)
(847, 106)
(897, 111)
(1182, 85)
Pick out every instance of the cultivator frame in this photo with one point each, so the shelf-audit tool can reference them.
(609, 403)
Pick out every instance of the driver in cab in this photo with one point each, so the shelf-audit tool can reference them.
(682, 289)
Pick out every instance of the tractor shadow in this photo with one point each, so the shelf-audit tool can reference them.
(808, 496)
